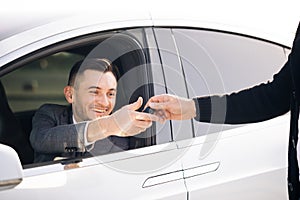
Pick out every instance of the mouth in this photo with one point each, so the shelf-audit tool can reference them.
(100, 111)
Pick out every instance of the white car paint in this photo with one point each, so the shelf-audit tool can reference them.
(165, 171)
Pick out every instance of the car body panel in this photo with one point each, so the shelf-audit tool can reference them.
(247, 166)
(232, 163)
(24, 43)
(109, 177)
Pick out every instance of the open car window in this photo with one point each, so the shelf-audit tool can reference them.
(39, 79)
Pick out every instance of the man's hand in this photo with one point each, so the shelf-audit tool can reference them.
(124, 122)
(130, 122)
(171, 107)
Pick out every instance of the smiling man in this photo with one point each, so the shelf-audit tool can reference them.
(87, 124)
(91, 89)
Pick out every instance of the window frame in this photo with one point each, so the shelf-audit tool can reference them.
(69, 44)
(222, 127)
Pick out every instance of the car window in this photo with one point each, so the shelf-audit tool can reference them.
(216, 62)
(40, 78)
(40, 81)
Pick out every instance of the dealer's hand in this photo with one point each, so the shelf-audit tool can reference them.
(171, 107)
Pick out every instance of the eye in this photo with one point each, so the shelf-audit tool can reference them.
(94, 92)
(112, 94)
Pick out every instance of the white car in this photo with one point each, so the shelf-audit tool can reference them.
(156, 53)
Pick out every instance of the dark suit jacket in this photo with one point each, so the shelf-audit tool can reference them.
(54, 135)
(263, 102)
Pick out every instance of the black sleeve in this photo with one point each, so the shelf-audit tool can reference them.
(298, 32)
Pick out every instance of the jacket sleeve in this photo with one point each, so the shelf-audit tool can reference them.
(261, 102)
(51, 132)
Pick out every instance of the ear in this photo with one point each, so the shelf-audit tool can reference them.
(68, 91)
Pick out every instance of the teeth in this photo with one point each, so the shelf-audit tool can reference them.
(100, 110)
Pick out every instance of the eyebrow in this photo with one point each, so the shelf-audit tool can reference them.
(98, 88)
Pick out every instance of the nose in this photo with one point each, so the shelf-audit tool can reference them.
(102, 100)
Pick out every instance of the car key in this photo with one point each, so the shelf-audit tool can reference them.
(149, 110)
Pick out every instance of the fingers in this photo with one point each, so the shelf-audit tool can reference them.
(139, 126)
(159, 106)
(157, 99)
(131, 122)
(161, 98)
(136, 105)
(154, 98)
(136, 127)
(142, 121)
(162, 115)
(134, 131)
(145, 116)
(143, 125)
(160, 101)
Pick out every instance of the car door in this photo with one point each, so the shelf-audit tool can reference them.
(150, 169)
(230, 161)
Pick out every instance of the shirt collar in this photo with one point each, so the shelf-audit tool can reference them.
(74, 121)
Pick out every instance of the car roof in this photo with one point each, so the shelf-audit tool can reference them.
(20, 29)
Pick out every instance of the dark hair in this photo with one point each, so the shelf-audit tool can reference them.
(99, 64)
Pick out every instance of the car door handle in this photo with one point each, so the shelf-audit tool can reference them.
(200, 170)
(163, 178)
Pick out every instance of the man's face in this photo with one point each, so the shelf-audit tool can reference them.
(94, 95)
